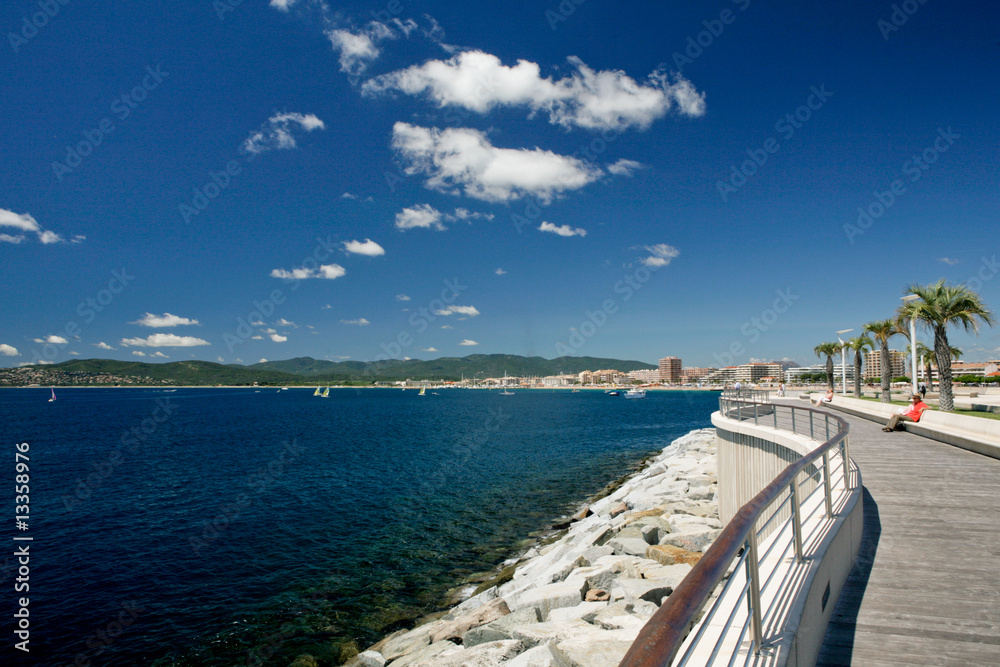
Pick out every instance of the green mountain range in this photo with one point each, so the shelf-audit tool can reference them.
(305, 370)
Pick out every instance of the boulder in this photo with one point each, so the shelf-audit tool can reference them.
(428, 655)
(489, 654)
(597, 648)
(668, 554)
(540, 656)
(502, 628)
(629, 545)
(650, 590)
(692, 541)
(367, 658)
(597, 595)
(547, 598)
(583, 611)
(404, 642)
(620, 508)
(454, 629)
(550, 632)
(624, 615)
(593, 553)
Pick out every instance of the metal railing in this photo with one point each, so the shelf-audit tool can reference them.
(755, 395)
(759, 587)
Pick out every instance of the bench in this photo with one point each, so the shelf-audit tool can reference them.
(975, 434)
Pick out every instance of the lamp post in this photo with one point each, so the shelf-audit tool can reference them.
(843, 359)
(913, 342)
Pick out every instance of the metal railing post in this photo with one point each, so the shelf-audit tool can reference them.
(753, 598)
(847, 463)
(796, 518)
(811, 436)
(775, 412)
(826, 484)
(793, 420)
(754, 414)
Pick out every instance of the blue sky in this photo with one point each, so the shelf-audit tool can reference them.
(236, 181)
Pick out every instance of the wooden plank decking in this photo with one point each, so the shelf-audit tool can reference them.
(926, 587)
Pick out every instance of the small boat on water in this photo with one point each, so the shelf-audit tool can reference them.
(635, 393)
(422, 392)
(613, 392)
(53, 394)
(316, 393)
(326, 393)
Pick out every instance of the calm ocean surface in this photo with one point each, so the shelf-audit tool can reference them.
(235, 527)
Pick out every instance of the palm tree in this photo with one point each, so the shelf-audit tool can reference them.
(883, 330)
(927, 354)
(829, 349)
(939, 305)
(859, 344)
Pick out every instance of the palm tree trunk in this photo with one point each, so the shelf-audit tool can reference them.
(857, 375)
(886, 373)
(942, 352)
(829, 371)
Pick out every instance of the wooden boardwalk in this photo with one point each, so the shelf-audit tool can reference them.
(926, 587)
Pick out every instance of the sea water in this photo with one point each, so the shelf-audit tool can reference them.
(248, 526)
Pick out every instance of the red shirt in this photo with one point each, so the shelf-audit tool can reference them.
(916, 410)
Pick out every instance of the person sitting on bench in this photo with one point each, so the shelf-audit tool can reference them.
(916, 409)
(826, 398)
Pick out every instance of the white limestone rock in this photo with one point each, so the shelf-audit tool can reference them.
(550, 632)
(597, 648)
(547, 598)
(584, 611)
(502, 628)
(540, 656)
(366, 659)
(489, 654)
(650, 590)
(427, 655)
(624, 615)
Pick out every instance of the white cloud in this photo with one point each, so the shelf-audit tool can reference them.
(138, 353)
(423, 216)
(348, 195)
(104, 346)
(278, 338)
(624, 167)
(468, 342)
(75, 353)
(160, 354)
(220, 360)
(402, 297)
(40, 362)
(164, 320)
(607, 99)
(500, 272)
(52, 340)
(327, 272)
(326, 307)
(466, 215)
(366, 247)
(470, 311)
(164, 340)
(463, 161)
(447, 326)
(257, 337)
(276, 133)
(563, 230)
(8, 350)
(283, 5)
(662, 254)
(25, 223)
(358, 48)
(286, 323)
(950, 261)
(362, 322)
(262, 360)
(429, 349)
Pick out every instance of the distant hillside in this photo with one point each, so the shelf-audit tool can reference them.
(304, 370)
(449, 368)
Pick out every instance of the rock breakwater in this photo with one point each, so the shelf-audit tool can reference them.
(581, 600)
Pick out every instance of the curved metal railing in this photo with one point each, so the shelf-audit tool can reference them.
(736, 558)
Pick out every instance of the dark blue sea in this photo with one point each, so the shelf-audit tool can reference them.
(245, 527)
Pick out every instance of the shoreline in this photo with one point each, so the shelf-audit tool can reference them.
(582, 589)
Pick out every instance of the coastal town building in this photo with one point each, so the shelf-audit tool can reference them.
(670, 369)
(752, 373)
(873, 364)
(645, 375)
(696, 374)
(959, 368)
(607, 376)
(795, 374)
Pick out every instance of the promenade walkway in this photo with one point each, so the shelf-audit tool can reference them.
(926, 586)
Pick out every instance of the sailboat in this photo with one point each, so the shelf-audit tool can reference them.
(316, 393)
(326, 393)
(53, 394)
(423, 391)
(505, 392)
